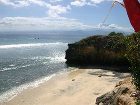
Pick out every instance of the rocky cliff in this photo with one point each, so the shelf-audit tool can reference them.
(124, 93)
(98, 50)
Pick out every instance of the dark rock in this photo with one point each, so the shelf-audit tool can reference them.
(111, 98)
(135, 94)
(119, 84)
(100, 75)
(98, 50)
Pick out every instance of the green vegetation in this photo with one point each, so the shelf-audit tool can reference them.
(133, 55)
(138, 103)
(115, 34)
(99, 50)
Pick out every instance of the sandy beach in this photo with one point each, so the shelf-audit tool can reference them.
(76, 87)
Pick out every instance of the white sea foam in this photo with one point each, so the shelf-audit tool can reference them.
(12, 65)
(30, 45)
(56, 59)
(7, 96)
(13, 68)
(8, 68)
(60, 58)
(10, 94)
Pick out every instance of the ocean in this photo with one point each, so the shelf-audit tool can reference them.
(30, 58)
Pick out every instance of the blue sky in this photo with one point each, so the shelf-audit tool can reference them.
(61, 15)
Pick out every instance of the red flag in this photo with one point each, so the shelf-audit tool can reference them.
(133, 11)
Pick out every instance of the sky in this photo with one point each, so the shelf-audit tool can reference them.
(22, 15)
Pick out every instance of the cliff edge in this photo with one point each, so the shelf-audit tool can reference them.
(98, 50)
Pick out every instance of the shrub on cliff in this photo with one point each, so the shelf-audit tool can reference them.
(133, 55)
(115, 34)
(98, 50)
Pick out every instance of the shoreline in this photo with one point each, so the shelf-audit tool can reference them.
(15, 91)
(75, 87)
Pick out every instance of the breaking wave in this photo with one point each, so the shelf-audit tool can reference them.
(30, 45)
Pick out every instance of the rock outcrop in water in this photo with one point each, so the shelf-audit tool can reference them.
(98, 50)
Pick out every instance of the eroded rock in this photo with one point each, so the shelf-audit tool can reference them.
(121, 95)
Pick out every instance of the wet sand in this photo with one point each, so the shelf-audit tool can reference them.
(76, 87)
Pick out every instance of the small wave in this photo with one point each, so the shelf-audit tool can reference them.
(8, 68)
(14, 68)
(12, 65)
(57, 59)
(50, 59)
(30, 45)
(7, 96)
(10, 94)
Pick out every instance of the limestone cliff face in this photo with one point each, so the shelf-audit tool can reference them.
(98, 50)
(124, 93)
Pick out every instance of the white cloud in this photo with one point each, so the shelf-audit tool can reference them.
(79, 3)
(53, 10)
(89, 2)
(99, 1)
(114, 27)
(47, 23)
(53, 21)
(53, 1)
(22, 3)
(14, 4)
(57, 10)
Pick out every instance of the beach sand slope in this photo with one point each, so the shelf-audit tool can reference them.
(76, 87)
